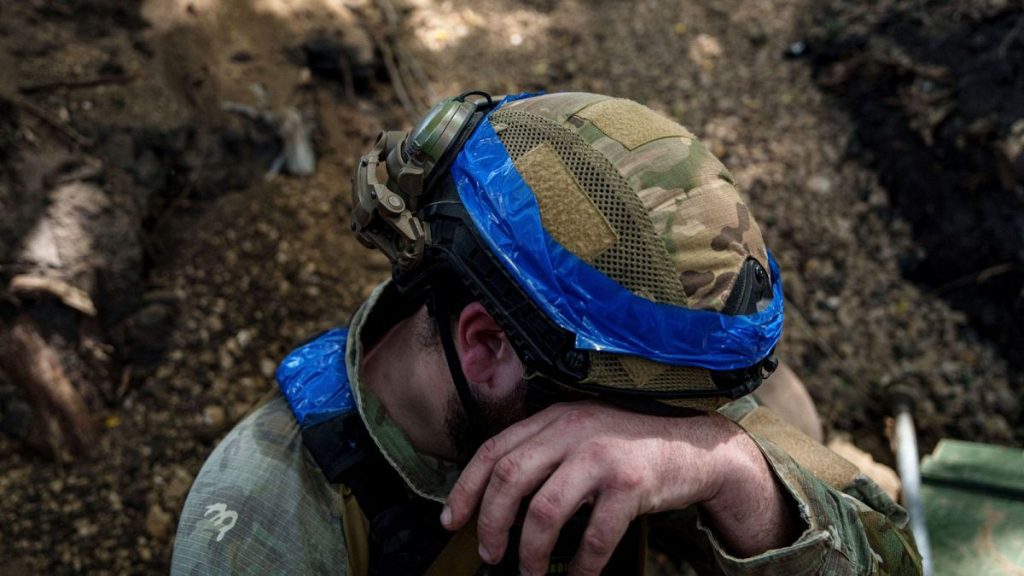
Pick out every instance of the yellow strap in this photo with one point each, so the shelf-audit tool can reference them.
(460, 556)
(357, 534)
(828, 466)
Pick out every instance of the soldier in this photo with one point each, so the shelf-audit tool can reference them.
(556, 377)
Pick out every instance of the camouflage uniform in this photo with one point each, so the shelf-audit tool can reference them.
(261, 505)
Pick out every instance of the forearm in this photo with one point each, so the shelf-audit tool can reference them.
(852, 532)
(750, 510)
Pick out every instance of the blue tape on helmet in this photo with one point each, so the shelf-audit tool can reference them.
(603, 315)
(314, 379)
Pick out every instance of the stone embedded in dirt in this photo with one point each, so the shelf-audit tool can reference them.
(177, 488)
(85, 528)
(214, 323)
(300, 158)
(240, 409)
(158, 522)
(819, 184)
(243, 337)
(267, 367)
(705, 50)
(214, 417)
(114, 501)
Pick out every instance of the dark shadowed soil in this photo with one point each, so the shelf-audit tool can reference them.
(938, 105)
(898, 229)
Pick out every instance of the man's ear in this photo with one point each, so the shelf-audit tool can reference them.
(488, 360)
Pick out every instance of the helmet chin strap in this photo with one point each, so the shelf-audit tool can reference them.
(438, 309)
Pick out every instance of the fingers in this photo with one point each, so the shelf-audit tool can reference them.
(608, 523)
(515, 476)
(469, 489)
(561, 496)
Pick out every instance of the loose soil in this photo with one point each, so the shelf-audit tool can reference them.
(234, 269)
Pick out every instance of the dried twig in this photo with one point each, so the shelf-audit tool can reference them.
(396, 80)
(402, 66)
(80, 83)
(36, 286)
(408, 64)
(31, 364)
(975, 277)
(412, 66)
(43, 116)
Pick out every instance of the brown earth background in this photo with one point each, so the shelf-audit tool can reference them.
(881, 147)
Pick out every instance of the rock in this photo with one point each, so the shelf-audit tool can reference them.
(243, 337)
(214, 324)
(114, 501)
(177, 488)
(214, 417)
(819, 184)
(300, 159)
(225, 360)
(240, 409)
(84, 528)
(158, 522)
(267, 367)
(705, 50)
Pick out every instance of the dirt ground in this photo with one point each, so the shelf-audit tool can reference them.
(230, 269)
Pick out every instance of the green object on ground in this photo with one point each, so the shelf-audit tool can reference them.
(974, 499)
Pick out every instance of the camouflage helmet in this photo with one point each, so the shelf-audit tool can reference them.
(612, 247)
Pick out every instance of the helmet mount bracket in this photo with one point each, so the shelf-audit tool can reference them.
(383, 218)
(384, 211)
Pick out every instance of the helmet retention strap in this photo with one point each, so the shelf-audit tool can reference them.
(438, 309)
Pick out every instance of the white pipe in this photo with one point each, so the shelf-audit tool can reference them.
(910, 475)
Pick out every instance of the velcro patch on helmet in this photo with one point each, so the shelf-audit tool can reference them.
(566, 212)
(631, 124)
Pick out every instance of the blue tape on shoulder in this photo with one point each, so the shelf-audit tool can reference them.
(603, 315)
(315, 381)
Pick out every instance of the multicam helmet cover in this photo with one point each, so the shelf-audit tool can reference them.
(632, 236)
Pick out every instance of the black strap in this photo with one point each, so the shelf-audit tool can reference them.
(405, 532)
(439, 311)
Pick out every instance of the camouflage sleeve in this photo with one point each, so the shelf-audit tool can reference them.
(260, 505)
(855, 531)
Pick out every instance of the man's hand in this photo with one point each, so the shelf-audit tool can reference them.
(625, 464)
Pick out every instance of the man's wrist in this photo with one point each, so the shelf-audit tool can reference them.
(749, 509)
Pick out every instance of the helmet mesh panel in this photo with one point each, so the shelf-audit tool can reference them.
(607, 369)
(702, 404)
(638, 261)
